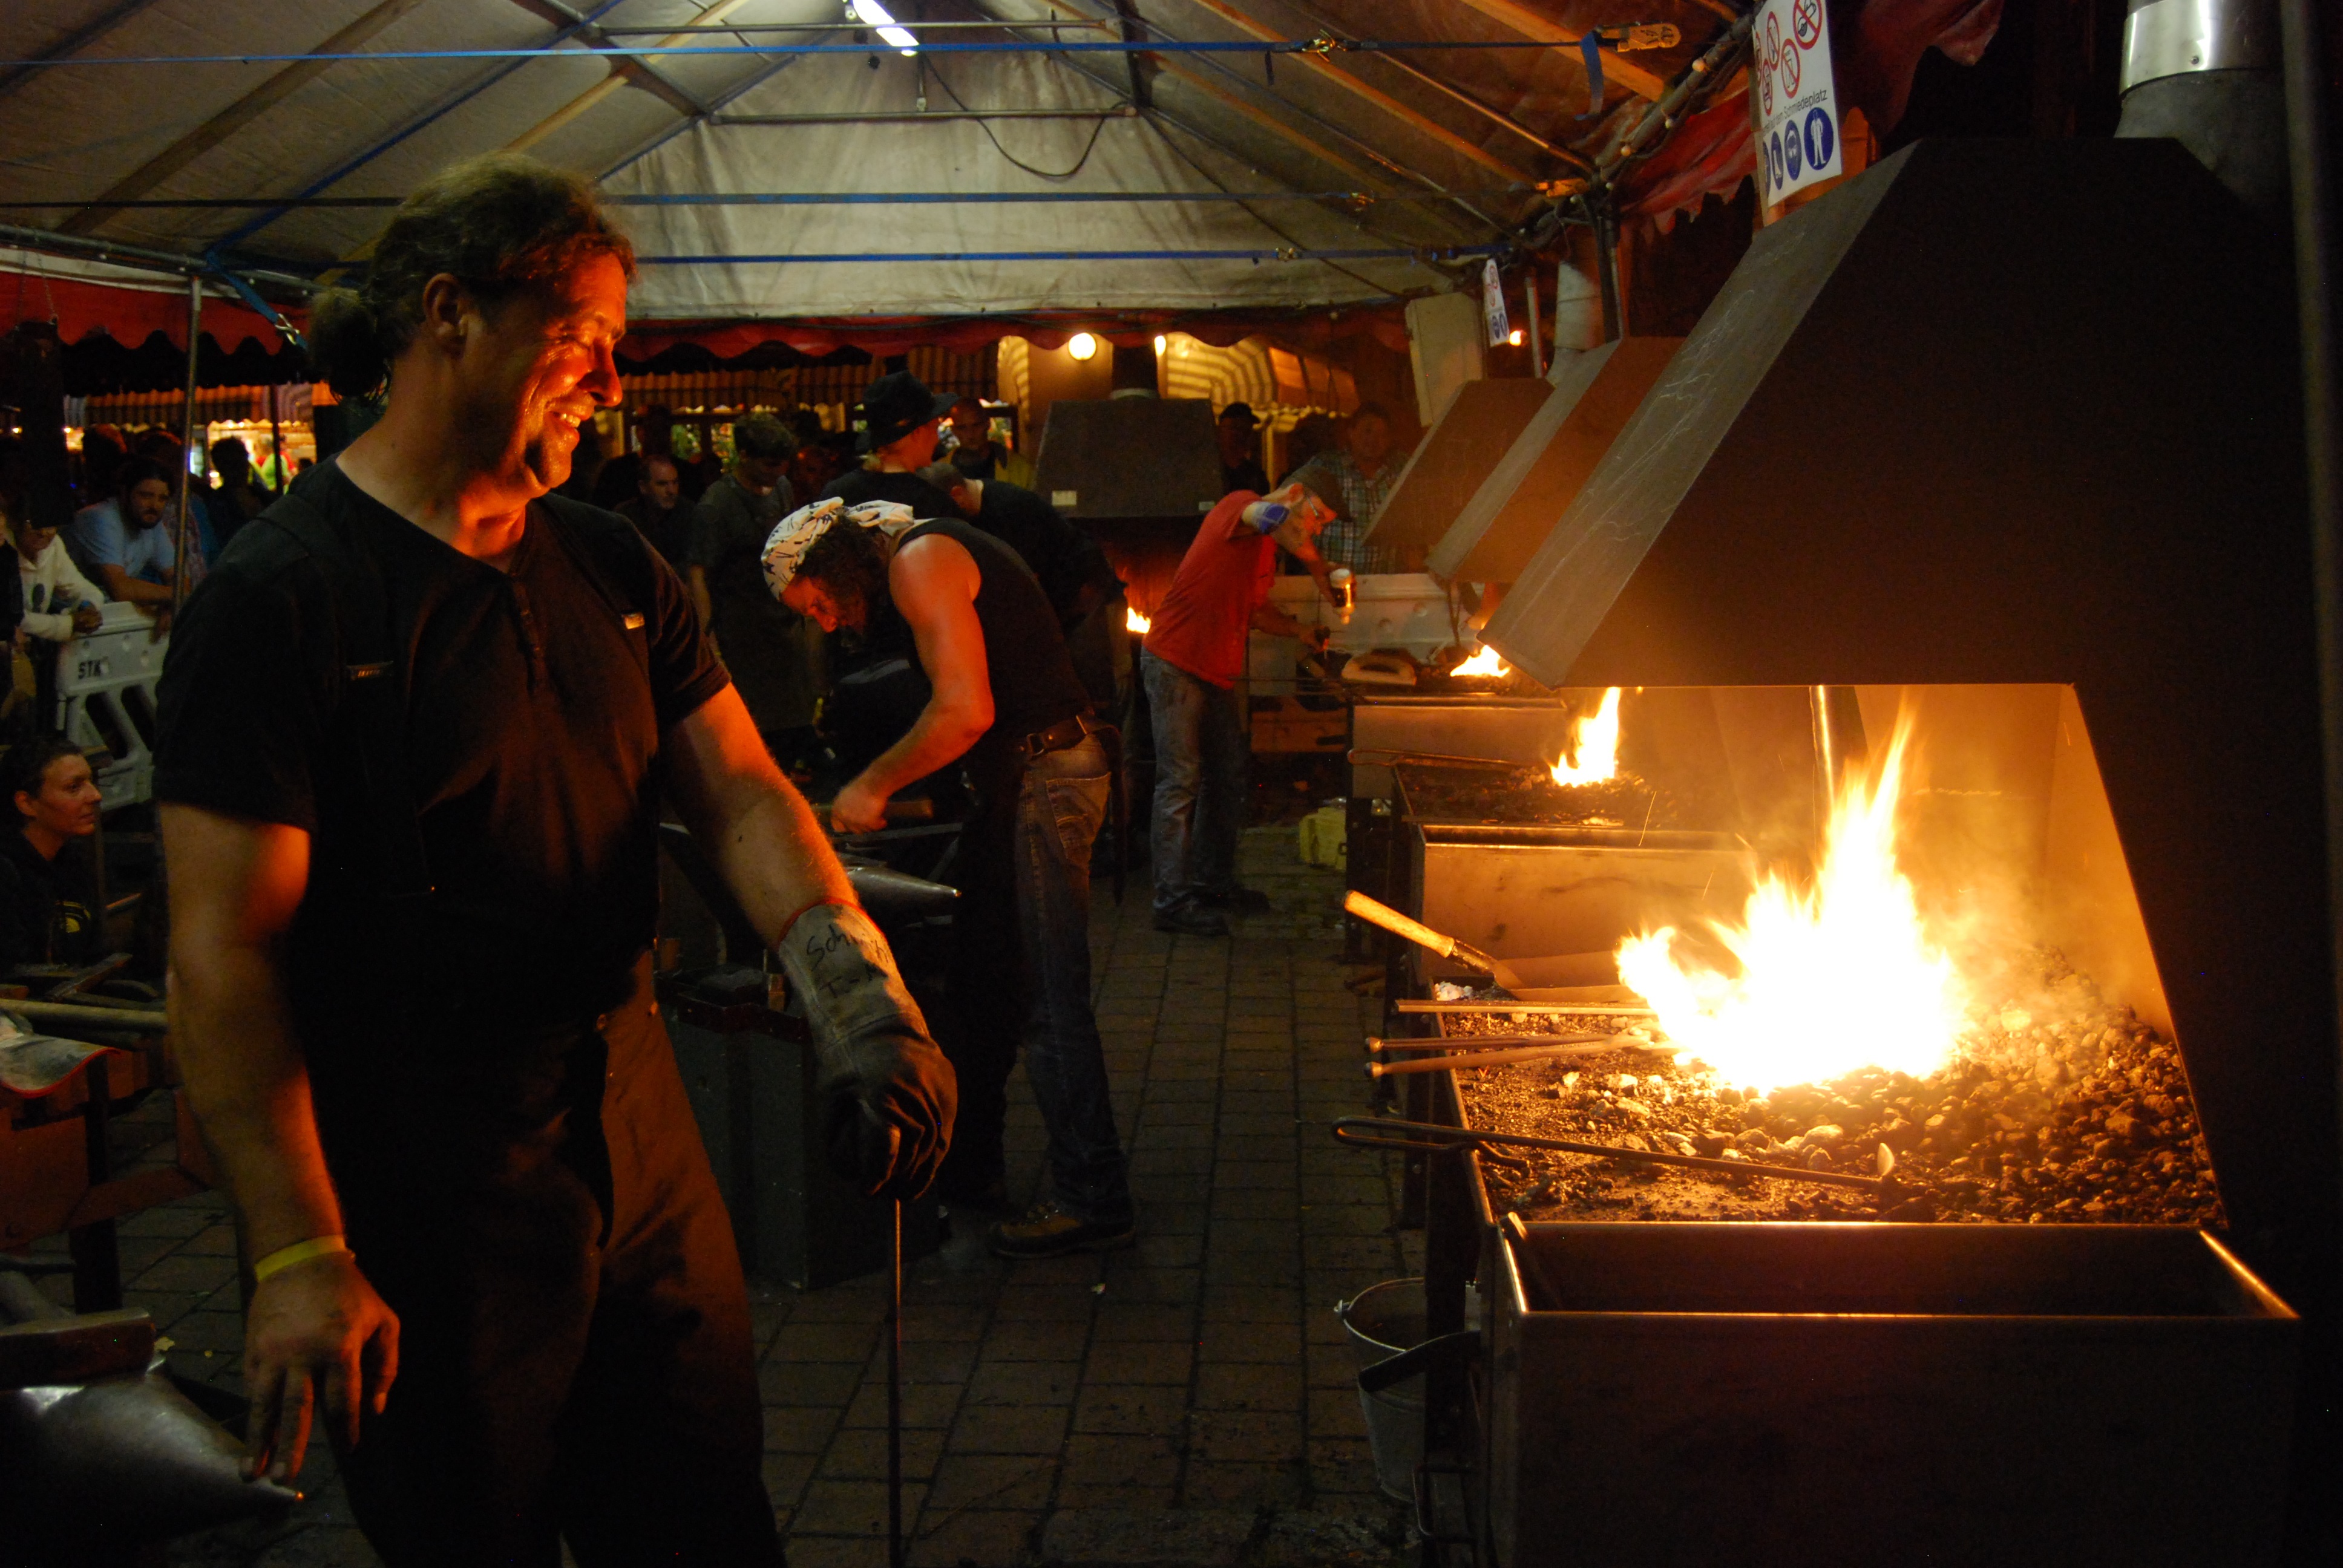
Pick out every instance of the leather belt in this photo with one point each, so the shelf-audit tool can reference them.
(1058, 736)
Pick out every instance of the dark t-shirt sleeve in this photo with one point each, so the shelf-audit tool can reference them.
(240, 711)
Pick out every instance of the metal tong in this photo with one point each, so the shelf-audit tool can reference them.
(1430, 1138)
(1504, 1048)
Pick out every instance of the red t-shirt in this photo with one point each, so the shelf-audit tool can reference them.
(1202, 623)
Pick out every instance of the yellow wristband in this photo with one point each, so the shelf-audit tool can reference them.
(284, 1258)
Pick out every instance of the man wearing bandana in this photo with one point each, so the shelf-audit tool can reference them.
(1006, 704)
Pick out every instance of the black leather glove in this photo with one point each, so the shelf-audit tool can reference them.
(890, 1093)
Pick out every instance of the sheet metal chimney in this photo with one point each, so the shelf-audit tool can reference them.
(2206, 74)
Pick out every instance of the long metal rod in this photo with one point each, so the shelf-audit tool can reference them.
(1319, 47)
(843, 26)
(895, 1389)
(13, 237)
(914, 116)
(1383, 253)
(796, 199)
(1468, 1059)
(2315, 258)
(1412, 1006)
(1432, 1137)
(187, 478)
(1537, 344)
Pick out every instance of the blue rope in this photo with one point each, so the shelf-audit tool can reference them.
(1284, 47)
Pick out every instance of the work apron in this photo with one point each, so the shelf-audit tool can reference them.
(576, 1357)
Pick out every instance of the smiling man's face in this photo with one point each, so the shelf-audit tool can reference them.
(536, 365)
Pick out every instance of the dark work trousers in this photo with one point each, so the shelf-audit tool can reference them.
(576, 1360)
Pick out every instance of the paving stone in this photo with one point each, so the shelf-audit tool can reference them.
(1340, 1465)
(1122, 1320)
(1226, 1343)
(1189, 1537)
(992, 1481)
(925, 1405)
(944, 1321)
(1248, 1386)
(852, 1508)
(1228, 1304)
(860, 1454)
(1274, 1175)
(976, 1535)
(1047, 1340)
(1175, 1251)
(1035, 1429)
(1253, 1236)
(786, 1477)
(804, 1342)
(1022, 1382)
(1138, 1363)
(1336, 1412)
(1245, 1437)
(1102, 1459)
(1132, 1410)
(799, 1429)
(837, 1551)
(171, 1221)
(1032, 1302)
(1259, 1203)
(1211, 1485)
(1136, 1281)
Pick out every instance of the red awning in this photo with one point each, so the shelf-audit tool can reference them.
(128, 312)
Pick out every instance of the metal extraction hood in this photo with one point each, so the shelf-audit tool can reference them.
(2020, 412)
(1471, 434)
(1514, 505)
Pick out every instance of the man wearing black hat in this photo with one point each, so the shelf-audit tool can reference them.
(900, 438)
(1241, 467)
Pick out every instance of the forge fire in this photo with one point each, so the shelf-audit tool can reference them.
(1834, 1026)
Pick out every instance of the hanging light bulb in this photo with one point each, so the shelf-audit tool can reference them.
(1081, 345)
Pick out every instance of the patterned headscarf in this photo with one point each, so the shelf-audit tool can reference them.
(786, 545)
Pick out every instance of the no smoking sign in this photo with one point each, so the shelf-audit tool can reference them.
(1797, 99)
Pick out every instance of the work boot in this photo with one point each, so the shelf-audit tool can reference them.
(1048, 1231)
(1190, 919)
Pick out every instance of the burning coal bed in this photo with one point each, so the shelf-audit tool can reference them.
(2056, 1108)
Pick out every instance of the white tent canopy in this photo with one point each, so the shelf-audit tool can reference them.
(1445, 146)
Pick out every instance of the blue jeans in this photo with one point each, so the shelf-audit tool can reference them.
(1201, 766)
(1059, 806)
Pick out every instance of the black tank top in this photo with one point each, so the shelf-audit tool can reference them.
(1034, 681)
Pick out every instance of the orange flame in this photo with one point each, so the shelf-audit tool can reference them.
(1134, 621)
(1593, 754)
(1484, 663)
(1834, 978)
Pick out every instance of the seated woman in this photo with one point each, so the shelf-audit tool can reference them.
(60, 604)
(48, 901)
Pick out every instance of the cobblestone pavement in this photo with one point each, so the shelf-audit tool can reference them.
(1187, 1401)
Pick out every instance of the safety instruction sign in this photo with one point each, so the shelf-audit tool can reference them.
(1797, 106)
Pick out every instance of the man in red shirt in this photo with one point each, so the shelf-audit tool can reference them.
(1190, 661)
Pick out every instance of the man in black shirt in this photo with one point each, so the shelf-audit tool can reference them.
(1240, 437)
(657, 509)
(1006, 701)
(1072, 570)
(899, 439)
(48, 884)
(414, 735)
(775, 656)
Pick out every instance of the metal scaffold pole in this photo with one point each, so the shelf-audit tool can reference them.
(187, 478)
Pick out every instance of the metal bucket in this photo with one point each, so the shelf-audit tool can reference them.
(1383, 1320)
